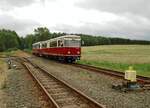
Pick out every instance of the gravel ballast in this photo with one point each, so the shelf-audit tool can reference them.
(21, 91)
(95, 85)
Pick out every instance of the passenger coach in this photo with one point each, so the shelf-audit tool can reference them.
(64, 48)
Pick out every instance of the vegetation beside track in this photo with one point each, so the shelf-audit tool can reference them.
(18, 52)
(3, 68)
(7, 53)
(118, 57)
(10, 40)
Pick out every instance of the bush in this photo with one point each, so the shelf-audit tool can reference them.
(28, 50)
(11, 49)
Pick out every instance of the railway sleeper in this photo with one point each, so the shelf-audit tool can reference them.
(50, 82)
(53, 86)
(58, 96)
(75, 106)
(68, 101)
(56, 91)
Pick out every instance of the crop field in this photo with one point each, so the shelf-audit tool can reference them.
(118, 57)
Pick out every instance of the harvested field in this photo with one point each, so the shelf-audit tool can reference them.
(134, 54)
(96, 85)
(118, 57)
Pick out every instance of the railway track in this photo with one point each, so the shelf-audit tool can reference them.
(59, 93)
(118, 74)
(140, 79)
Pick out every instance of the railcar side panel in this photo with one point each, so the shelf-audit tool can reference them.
(65, 51)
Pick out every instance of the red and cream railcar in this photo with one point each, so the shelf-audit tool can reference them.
(66, 48)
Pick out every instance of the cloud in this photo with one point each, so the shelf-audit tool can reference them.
(133, 17)
(21, 26)
(137, 7)
(127, 19)
(120, 28)
(10, 4)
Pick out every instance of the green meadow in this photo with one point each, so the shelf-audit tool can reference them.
(118, 57)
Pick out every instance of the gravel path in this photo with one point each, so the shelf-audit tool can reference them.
(96, 85)
(21, 91)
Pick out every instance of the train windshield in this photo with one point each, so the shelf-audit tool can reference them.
(72, 42)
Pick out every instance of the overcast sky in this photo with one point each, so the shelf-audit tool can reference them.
(121, 18)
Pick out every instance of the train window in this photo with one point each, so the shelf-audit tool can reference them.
(60, 43)
(49, 44)
(53, 44)
(72, 43)
(36, 46)
(44, 45)
(33, 46)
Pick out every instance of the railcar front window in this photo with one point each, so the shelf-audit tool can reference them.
(72, 43)
(53, 44)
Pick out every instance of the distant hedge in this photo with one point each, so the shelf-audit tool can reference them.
(10, 39)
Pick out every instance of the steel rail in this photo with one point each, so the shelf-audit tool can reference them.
(118, 74)
(52, 102)
(91, 101)
(114, 73)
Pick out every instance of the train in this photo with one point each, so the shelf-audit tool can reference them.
(64, 48)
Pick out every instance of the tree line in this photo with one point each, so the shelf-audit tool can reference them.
(10, 40)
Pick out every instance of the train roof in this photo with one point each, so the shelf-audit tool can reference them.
(65, 36)
(36, 43)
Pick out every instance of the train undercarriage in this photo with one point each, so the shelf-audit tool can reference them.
(66, 59)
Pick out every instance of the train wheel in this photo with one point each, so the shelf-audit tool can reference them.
(69, 60)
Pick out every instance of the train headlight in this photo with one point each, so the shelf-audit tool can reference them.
(78, 52)
(69, 52)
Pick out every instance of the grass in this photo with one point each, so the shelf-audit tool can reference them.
(118, 57)
(7, 53)
(28, 51)
(15, 53)
(3, 67)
